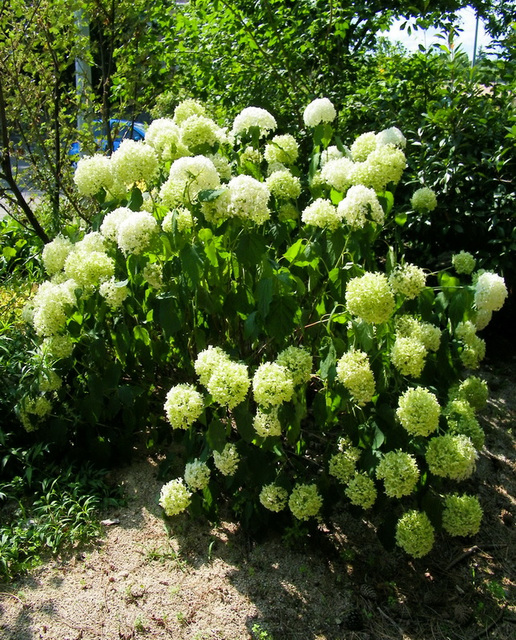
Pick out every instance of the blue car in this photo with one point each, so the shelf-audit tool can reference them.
(120, 130)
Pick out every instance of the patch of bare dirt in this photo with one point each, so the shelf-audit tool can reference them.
(194, 582)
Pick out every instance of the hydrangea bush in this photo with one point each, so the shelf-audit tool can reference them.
(243, 296)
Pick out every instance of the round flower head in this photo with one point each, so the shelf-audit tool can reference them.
(383, 166)
(451, 456)
(114, 292)
(321, 213)
(490, 292)
(174, 497)
(462, 515)
(338, 173)
(461, 420)
(164, 136)
(227, 460)
(428, 334)
(92, 241)
(399, 473)
(228, 383)
(363, 146)
(57, 347)
(370, 298)
(273, 498)
(418, 411)
(248, 199)
(282, 149)
(199, 131)
(354, 371)
(207, 361)
(266, 423)
(463, 262)
(272, 384)
(360, 205)
(423, 200)
(188, 108)
(51, 305)
(332, 153)
(408, 356)
(408, 280)
(482, 319)
(392, 135)
(474, 391)
(473, 353)
(134, 161)
(361, 491)
(153, 274)
(415, 533)
(93, 174)
(50, 381)
(183, 406)
(254, 117)
(284, 185)
(288, 211)
(112, 221)
(222, 165)
(137, 232)
(305, 501)
(251, 155)
(342, 465)
(466, 331)
(319, 110)
(55, 253)
(179, 220)
(299, 363)
(197, 475)
(187, 177)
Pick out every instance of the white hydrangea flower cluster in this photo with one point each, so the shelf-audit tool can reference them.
(226, 381)
(418, 411)
(342, 465)
(57, 347)
(93, 174)
(282, 148)
(338, 173)
(33, 410)
(363, 146)
(134, 161)
(50, 381)
(359, 205)
(112, 221)
(282, 184)
(298, 362)
(273, 497)
(253, 117)
(408, 355)
(361, 491)
(174, 497)
(183, 405)
(462, 420)
(393, 136)
(251, 155)
(164, 136)
(272, 384)
(88, 268)
(114, 292)
(383, 165)
(474, 347)
(248, 199)
(187, 108)
(181, 219)
(463, 262)
(305, 501)
(266, 422)
(451, 456)
(187, 177)
(399, 472)
(332, 153)
(227, 460)
(321, 213)
(370, 298)
(475, 391)
(428, 334)
(490, 292)
(55, 253)
(415, 533)
(153, 274)
(462, 515)
(423, 200)
(51, 303)
(319, 111)
(408, 280)
(137, 232)
(200, 131)
(354, 371)
(197, 475)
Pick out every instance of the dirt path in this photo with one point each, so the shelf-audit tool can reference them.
(202, 583)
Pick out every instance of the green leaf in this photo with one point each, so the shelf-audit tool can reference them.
(135, 199)
(401, 219)
(209, 195)
(284, 313)
(244, 422)
(216, 435)
(250, 249)
(191, 263)
(328, 353)
(264, 293)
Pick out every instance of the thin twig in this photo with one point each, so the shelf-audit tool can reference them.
(6, 593)
(391, 620)
(489, 627)
(471, 551)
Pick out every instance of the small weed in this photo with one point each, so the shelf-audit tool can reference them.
(181, 618)
(260, 634)
(496, 590)
(139, 624)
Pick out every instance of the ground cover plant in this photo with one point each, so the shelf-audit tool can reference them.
(239, 298)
